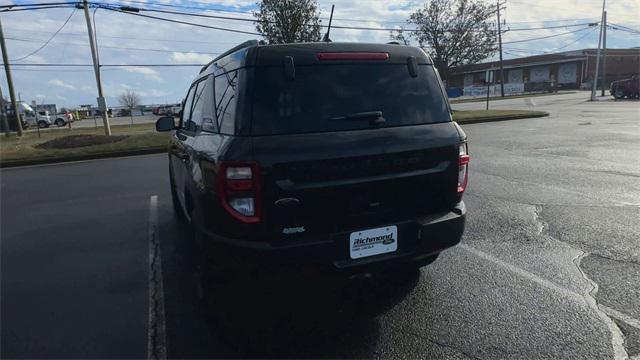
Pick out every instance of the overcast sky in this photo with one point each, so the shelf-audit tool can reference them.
(128, 39)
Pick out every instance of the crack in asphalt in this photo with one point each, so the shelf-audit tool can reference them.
(628, 261)
(537, 217)
(617, 337)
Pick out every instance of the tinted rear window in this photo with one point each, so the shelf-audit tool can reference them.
(321, 92)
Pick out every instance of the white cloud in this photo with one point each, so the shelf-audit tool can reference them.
(120, 30)
(148, 73)
(190, 58)
(62, 84)
(60, 97)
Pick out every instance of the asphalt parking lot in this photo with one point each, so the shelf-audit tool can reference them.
(549, 266)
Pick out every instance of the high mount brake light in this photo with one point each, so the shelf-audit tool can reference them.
(381, 56)
(463, 168)
(240, 190)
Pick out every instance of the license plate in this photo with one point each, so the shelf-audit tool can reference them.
(373, 242)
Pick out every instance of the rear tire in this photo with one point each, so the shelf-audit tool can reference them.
(60, 122)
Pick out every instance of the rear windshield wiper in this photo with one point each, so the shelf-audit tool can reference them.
(374, 116)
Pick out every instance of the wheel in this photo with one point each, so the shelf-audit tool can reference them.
(619, 94)
(42, 124)
(60, 122)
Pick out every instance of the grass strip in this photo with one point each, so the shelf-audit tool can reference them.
(480, 116)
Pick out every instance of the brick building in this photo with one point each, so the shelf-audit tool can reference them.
(569, 70)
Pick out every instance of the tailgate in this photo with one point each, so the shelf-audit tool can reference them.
(331, 182)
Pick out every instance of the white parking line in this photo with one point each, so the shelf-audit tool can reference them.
(156, 331)
(617, 340)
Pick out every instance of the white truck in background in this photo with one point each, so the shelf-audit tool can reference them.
(31, 117)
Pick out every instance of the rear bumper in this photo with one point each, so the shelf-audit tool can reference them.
(418, 239)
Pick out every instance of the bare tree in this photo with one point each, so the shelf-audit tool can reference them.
(454, 32)
(130, 100)
(288, 21)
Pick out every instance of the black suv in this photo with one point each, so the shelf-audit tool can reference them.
(332, 153)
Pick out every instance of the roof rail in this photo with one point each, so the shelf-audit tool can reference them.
(232, 50)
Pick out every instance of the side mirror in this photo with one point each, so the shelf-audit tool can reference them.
(165, 123)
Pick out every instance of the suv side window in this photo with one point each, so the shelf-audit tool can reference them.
(226, 101)
(186, 109)
(202, 113)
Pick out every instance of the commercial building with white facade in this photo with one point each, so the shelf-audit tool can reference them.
(566, 70)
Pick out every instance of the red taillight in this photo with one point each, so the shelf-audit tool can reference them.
(240, 190)
(353, 56)
(463, 165)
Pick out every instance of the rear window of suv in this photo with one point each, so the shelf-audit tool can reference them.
(319, 93)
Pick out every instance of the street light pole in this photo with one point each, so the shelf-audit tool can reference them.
(595, 78)
(604, 53)
(12, 94)
(500, 48)
(102, 103)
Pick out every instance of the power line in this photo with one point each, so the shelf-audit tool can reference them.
(622, 27)
(175, 6)
(128, 37)
(178, 21)
(105, 65)
(108, 7)
(118, 47)
(339, 26)
(544, 37)
(248, 20)
(553, 21)
(554, 27)
(574, 41)
(48, 41)
(37, 8)
(10, 6)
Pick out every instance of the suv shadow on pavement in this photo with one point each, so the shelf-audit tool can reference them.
(293, 312)
(280, 311)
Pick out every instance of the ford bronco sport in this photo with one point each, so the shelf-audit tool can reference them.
(332, 153)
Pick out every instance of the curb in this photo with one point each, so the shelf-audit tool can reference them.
(510, 97)
(103, 155)
(500, 118)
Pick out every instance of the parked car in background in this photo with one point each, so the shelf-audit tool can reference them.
(31, 118)
(63, 119)
(627, 88)
(169, 110)
(303, 157)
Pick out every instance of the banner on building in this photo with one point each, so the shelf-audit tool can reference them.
(494, 90)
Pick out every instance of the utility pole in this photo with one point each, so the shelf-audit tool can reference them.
(102, 103)
(595, 78)
(3, 115)
(604, 52)
(12, 94)
(500, 48)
